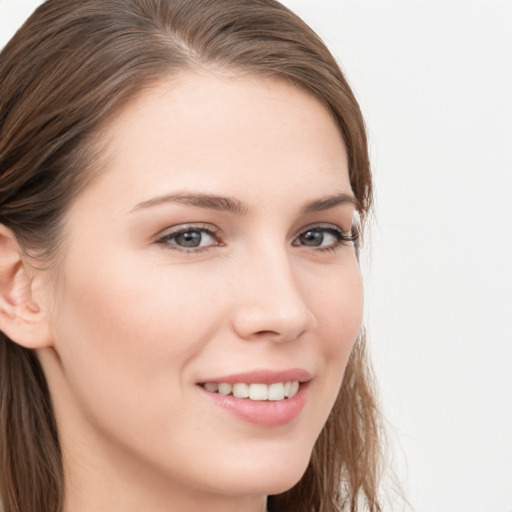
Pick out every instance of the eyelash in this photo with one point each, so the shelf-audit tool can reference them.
(165, 239)
(342, 238)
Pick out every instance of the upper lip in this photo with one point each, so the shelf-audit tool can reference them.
(263, 376)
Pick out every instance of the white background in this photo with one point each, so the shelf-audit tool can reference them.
(434, 79)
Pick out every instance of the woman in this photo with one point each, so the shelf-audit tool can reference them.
(181, 189)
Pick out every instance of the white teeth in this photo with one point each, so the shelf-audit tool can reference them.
(225, 389)
(241, 390)
(294, 387)
(256, 391)
(276, 391)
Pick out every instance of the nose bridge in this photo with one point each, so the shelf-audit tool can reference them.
(270, 302)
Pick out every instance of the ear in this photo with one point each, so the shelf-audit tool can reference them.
(22, 317)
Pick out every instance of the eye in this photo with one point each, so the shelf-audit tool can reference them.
(189, 238)
(324, 237)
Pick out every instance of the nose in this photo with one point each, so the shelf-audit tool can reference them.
(270, 303)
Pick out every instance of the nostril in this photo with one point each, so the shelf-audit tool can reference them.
(266, 333)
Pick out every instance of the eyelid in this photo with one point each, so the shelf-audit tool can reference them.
(345, 237)
(327, 226)
(164, 236)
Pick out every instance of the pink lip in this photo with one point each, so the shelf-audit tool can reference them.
(264, 413)
(263, 377)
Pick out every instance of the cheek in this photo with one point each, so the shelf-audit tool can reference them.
(338, 308)
(132, 306)
(125, 334)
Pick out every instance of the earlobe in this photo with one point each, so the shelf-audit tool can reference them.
(22, 318)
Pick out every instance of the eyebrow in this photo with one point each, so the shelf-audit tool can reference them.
(328, 202)
(208, 201)
(233, 205)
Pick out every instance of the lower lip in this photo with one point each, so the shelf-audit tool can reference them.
(265, 413)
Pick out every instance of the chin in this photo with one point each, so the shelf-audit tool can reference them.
(270, 484)
(273, 476)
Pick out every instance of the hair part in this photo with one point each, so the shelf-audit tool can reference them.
(63, 76)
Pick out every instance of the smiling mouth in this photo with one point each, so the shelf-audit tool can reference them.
(255, 391)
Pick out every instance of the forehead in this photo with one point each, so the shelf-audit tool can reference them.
(216, 131)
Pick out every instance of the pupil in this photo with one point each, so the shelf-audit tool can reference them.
(312, 238)
(189, 239)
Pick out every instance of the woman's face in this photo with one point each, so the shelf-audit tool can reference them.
(213, 250)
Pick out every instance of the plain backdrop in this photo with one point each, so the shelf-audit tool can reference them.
(434, 80)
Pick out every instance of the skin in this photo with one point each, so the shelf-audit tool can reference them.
(138, 321)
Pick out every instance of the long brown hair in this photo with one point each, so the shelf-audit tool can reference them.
(62, 76)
